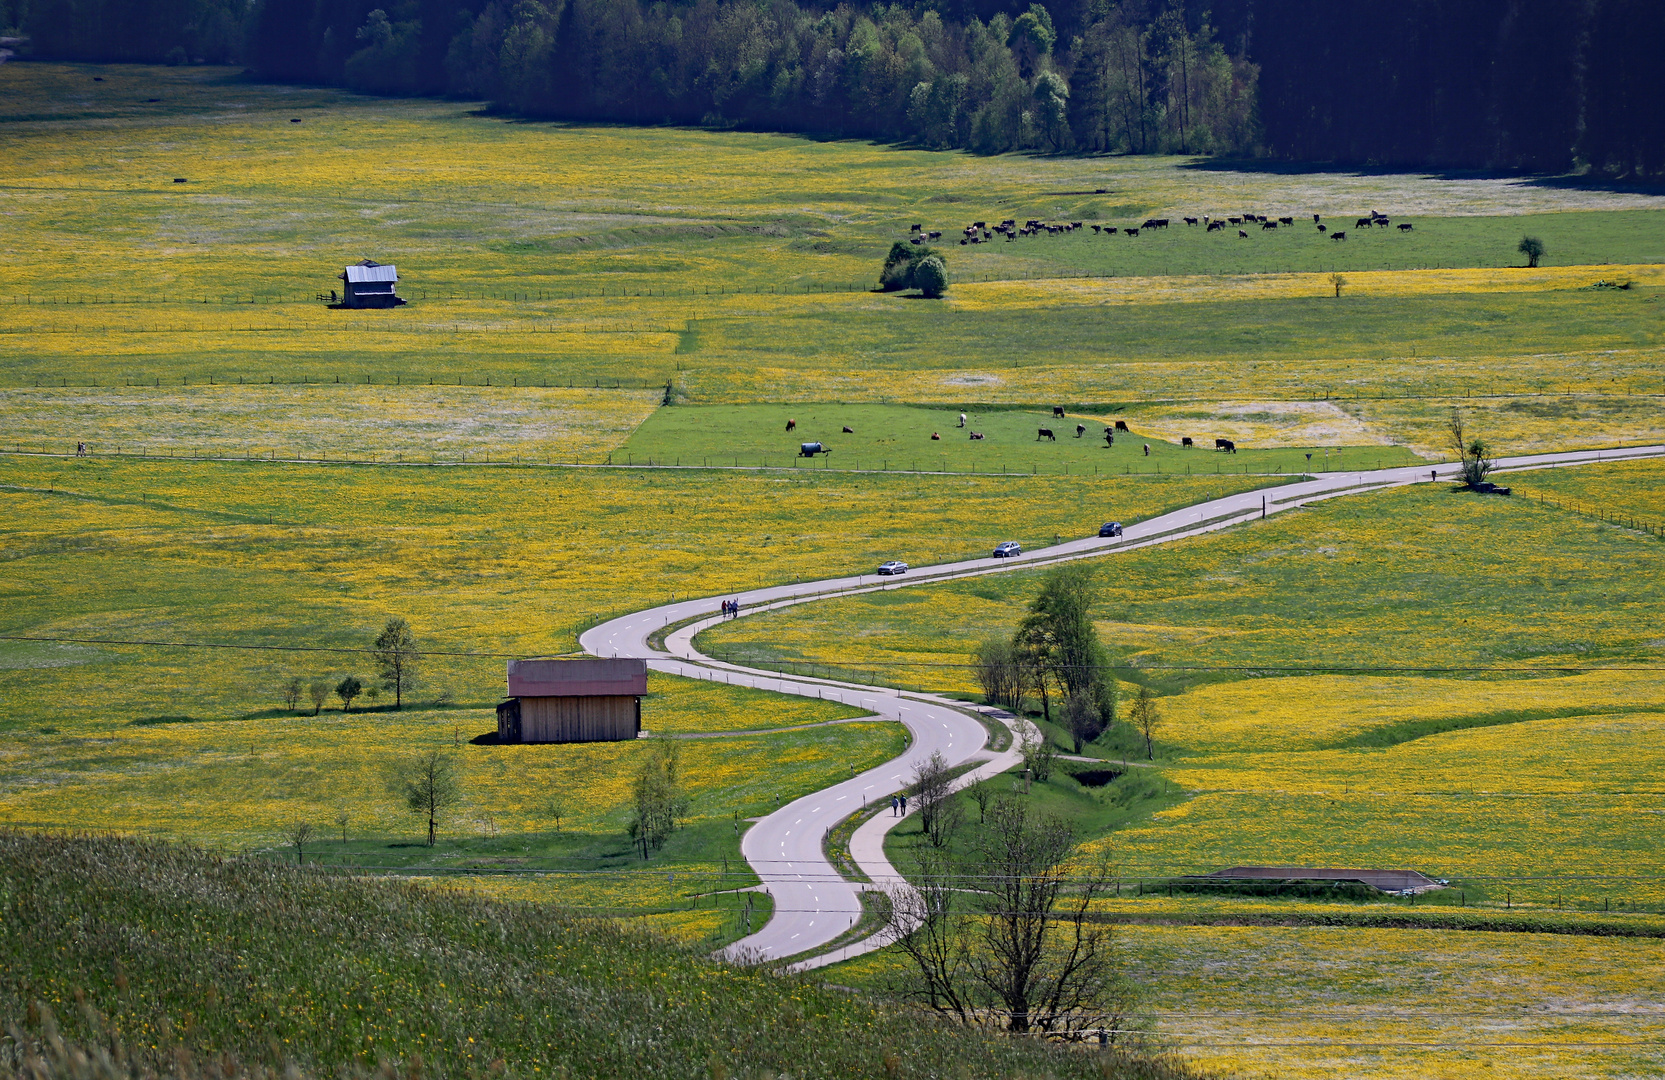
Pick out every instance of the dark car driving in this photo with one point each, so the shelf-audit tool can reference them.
(1110, 528)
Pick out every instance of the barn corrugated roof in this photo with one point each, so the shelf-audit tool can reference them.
(357, 274)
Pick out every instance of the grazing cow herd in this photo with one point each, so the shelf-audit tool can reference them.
(811, 449)
(981, 232)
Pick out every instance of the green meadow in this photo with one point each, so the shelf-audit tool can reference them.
(582, 411)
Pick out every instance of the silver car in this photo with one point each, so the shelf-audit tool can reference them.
(893, 567)
(1008, 549)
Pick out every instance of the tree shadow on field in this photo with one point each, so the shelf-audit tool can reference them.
(1565, 181)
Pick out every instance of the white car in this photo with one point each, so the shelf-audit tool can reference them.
(893, 567)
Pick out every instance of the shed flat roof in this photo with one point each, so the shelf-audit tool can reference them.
(356, 274)
(587, 676)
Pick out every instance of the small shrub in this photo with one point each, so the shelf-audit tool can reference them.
(930, 276)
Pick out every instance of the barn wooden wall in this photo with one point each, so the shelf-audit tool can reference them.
(570, 719)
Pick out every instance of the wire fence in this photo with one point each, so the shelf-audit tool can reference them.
(633, 291)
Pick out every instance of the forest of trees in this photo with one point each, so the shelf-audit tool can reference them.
(1539, 85)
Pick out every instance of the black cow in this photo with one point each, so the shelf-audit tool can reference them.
(1404, 226)
(1132, 232)
(1155, 223)
(1121, 425)
(1235, 220)
(1268, 225)
(1057, 410)
(848, 430)
(1190, 221)
(1080, 430)
(977, 436)
(791, 425)
(1225, 444)
(1363, 223)
(1045, 433)
(1286, 221)
(1098, 228)
(1243, 234)
(1320, 228)
(917, 240)
(1186, 441)
(1316, 219)
(916, 228)
(936, 234)
(1109, 438)
(1338, 236)
(1109, 230)
(1213, 225)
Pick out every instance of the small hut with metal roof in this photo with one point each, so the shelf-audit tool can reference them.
(578, 699)
(369, 284)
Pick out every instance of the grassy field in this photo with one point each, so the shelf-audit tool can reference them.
(561, 255)
(899, 437)
(1510, 757)
(1392, 579)
(253, 967)
(1396, 1003)
(670, 297)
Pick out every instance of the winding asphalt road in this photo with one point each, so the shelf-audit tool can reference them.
(814, 905)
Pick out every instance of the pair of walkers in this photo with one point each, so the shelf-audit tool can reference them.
(898, 806)
(731, 608)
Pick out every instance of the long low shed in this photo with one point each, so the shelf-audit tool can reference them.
(582, 699)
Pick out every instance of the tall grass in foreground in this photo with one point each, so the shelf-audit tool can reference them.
(168, 956)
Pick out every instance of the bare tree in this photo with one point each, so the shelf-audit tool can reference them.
(292, 692)
(1146, 717)
(933, 791)
(396, 658)
(1047, 965)
(318, 692)
(1473, 453)
(996, 666)
(927, 924)
(341, 820)
(1013, 939)
(982, 793)
(298, 833)
(431, 785)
